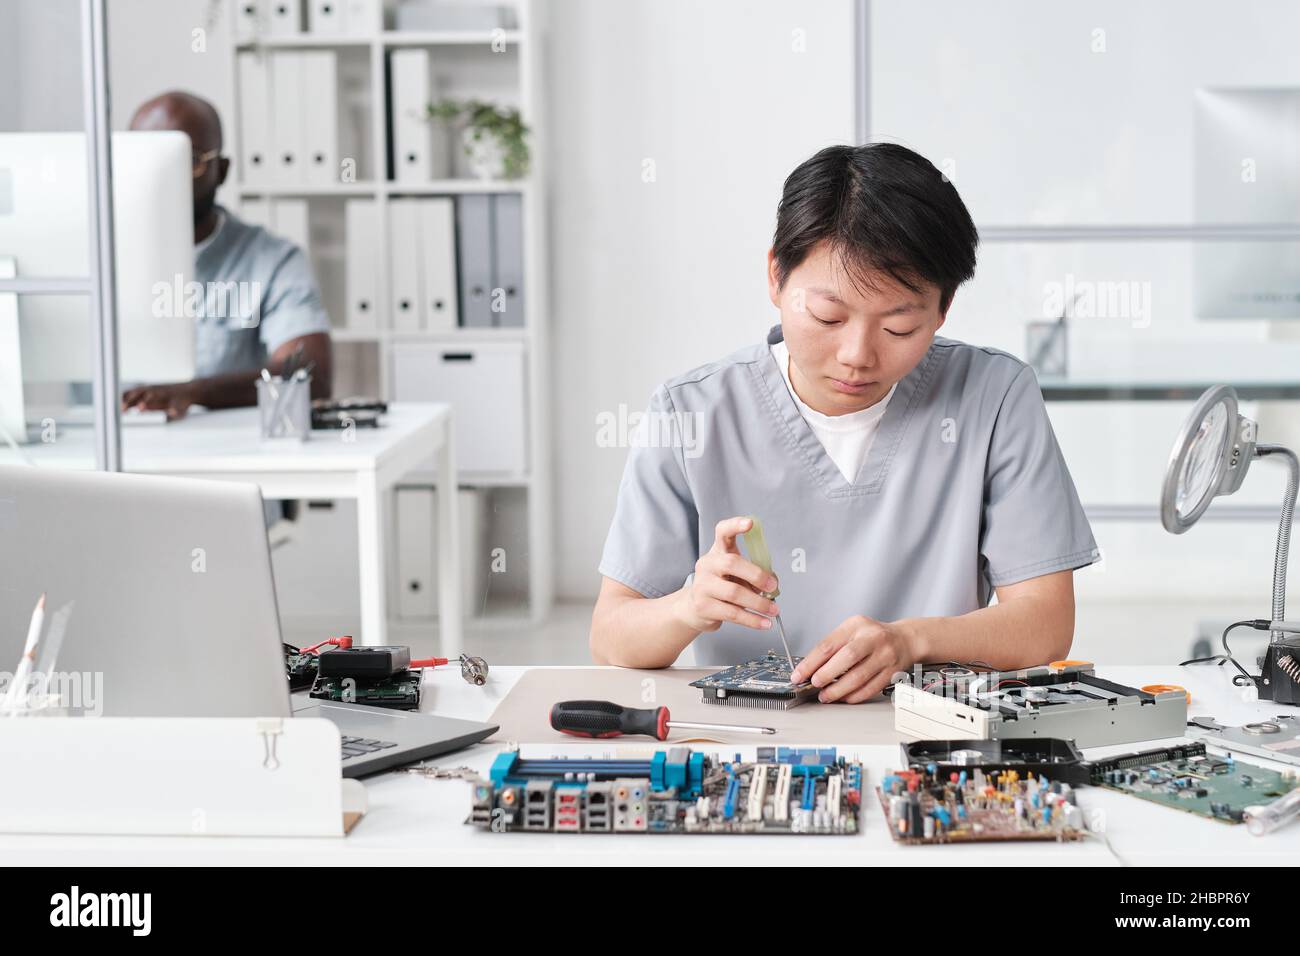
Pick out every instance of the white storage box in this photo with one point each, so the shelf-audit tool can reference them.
(484, 384)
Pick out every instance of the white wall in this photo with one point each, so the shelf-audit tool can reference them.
(40, 66)
(651, 279)
(158, 46)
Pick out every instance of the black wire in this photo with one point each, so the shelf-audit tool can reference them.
(1239, 680)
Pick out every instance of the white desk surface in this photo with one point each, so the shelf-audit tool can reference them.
(229, 440)
(414, 821)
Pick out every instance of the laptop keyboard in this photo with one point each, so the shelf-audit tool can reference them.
(360, 746)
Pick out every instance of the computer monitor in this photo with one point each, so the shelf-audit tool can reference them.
(44, 233)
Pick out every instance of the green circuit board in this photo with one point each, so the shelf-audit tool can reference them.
(1210, 785)
(399, 692)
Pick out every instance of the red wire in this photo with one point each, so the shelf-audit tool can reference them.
(343, 642)
(430, 662)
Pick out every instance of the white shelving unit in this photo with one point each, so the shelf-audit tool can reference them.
(449, 50)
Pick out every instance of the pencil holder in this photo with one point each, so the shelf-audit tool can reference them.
(284, 408)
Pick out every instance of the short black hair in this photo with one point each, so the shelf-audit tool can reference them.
(885, 209)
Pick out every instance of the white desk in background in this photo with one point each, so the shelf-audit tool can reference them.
(363, 464)
(414, 821)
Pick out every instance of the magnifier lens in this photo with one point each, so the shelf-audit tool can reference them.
(1201, 464)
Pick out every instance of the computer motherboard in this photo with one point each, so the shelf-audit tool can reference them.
(1187, 778)
(783, 790)
(763, 683)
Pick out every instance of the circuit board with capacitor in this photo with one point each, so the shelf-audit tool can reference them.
(923, 808)
(1188, 778)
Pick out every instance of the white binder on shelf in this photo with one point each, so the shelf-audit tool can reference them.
(287, 108)
(361, 222)
(508, 258)
(289, 220)
(404, 257)
(325, 17)
(412, 130)
(363, 17)
(320, 115)
(474, 259)
(437, 229)
(284, 17)
(256, 162)
(169, 776)
(250, 21)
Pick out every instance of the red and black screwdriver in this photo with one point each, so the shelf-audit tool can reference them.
(603, 718)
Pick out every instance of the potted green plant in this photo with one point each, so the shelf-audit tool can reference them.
(492, 137)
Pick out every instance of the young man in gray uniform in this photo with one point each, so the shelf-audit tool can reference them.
(902, 478)
(261, 303)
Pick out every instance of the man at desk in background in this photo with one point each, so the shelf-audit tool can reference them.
(286, 318)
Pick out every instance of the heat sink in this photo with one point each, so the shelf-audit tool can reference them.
(760, 700)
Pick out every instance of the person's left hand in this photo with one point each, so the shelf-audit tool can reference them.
(857, 660)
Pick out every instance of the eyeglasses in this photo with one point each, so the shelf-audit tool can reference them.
(199, 161)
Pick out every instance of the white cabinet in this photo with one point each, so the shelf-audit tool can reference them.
(484, 384)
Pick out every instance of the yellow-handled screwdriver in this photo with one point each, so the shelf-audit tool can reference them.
(756, 548)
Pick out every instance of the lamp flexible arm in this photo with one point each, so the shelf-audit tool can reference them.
(1283, 529)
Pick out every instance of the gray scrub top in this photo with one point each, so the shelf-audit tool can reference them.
(242, 324)
(964, 489)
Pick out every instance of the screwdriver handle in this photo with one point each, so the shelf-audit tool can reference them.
(757, 551)
(603, 718)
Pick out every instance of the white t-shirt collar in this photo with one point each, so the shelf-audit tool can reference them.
(848, 422)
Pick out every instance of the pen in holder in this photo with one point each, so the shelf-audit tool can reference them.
(284, 406)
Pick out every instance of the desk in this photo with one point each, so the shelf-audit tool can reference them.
(362, 464)
(416, 821)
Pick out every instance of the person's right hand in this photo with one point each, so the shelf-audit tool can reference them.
(726, 585)
(174, 399)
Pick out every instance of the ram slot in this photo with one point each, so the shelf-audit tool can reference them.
(833, 797)
(757, 791)
(781, 799)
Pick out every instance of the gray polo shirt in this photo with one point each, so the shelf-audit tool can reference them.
(964, 489)
(259, 293)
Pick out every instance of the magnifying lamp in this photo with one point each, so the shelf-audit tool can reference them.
(1210, 458)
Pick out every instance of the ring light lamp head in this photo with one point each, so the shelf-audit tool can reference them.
(1209, 458)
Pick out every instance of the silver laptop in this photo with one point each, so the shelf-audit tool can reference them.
(173, 610)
